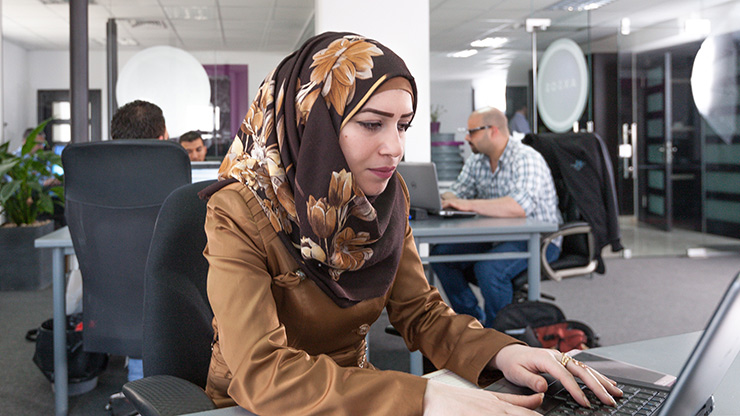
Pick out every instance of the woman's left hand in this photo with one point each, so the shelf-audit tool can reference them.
(522, 365)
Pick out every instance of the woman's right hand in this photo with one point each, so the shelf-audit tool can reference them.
(443, 400)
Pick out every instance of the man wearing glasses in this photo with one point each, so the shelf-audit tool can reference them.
(502, 178)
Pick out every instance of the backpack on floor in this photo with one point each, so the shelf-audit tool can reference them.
(81, 365)
(542, 324)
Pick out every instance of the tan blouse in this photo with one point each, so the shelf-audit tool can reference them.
(282, 347)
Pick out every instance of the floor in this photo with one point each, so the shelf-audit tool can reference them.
(641, 240)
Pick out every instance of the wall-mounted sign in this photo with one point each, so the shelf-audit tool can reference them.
(562, 85)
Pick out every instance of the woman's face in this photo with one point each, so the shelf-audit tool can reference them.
(373, 141)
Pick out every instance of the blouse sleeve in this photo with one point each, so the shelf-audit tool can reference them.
(267, 376)
(456, 342)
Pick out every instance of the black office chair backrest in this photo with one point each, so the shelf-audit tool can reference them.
(177, 314)
(584, 180)
(113, 192)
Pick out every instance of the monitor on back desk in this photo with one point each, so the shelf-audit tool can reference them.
(203, 171)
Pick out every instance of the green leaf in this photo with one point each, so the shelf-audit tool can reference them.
(5, 167)
(31, 139)
(45, 204)
(7, 190)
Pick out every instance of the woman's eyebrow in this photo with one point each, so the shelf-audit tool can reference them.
(384, 113)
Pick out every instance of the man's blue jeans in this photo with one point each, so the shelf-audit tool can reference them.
(493, 276)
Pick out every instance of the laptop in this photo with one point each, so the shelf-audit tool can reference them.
(689, 395)
(421, 180)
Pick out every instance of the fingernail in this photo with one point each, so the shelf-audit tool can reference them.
(614, 402)
(585, 399)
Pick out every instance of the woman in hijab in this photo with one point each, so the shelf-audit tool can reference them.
(308, 241)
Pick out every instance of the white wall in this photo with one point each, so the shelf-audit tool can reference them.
(457, 99)
(17, 97)
(402, 26)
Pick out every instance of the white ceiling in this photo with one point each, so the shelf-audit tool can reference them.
(281, 25)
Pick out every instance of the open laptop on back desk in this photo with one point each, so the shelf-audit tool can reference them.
(421, 180)
(690, 395)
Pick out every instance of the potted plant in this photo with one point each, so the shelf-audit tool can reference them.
(28, 189)
(435, 113)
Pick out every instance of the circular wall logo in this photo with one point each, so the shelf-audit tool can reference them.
(562, 85)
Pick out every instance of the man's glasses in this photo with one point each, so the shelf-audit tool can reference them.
(471, 131)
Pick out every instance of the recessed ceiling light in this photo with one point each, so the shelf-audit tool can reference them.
(190, 12)
(488, 42)
(579, 5)
(127, 41)
(463, 54)
(134, 23)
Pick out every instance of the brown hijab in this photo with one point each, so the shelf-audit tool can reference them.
(287, 152)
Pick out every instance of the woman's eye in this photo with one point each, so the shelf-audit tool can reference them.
(404, 126)
(371, 125)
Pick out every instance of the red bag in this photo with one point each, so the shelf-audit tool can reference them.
(561, 337)
(542, 324)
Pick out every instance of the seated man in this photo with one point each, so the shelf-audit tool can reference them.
(139, 120)
(502, 178)
(194, 144)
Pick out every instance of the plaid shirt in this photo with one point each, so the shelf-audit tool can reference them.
(522, 174)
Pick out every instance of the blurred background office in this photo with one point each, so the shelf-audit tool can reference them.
(673, 164)
(653, 68)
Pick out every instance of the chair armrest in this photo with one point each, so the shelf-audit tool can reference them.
(166, 395)
(571, 228)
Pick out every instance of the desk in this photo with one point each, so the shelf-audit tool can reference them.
(665, 354)
(436, 230)
(61, 244)
(478, 229)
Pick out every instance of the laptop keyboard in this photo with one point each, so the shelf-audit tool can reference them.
(637, 401)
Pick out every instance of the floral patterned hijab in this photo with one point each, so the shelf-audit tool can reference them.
(287, 152)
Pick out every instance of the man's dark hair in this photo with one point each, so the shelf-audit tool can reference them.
(137, 120)
(191, 136)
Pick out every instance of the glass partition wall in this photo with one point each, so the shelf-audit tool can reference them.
(681, 172)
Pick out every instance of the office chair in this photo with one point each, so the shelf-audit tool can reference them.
(584, 181)
(113, 191)
(177, 315)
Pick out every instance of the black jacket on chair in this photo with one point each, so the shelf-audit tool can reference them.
(581, 161)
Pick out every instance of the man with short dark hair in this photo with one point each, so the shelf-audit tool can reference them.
(138, 120)
(194, 144)
(519, 121)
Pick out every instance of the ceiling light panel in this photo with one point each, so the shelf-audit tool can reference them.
(579, 5)
(489, 42)
(191, 12)
(463, 54)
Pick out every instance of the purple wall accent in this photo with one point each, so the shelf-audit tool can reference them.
(239, 77)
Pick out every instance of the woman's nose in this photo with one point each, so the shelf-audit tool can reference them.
(393, 143)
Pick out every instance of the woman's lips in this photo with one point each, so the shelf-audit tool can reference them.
(384, 172)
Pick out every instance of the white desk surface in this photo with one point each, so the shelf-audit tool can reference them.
(57, 239)
(666, 355)
(479, 225)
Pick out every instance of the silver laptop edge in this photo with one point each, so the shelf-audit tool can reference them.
(712, 356)
(423, 192)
